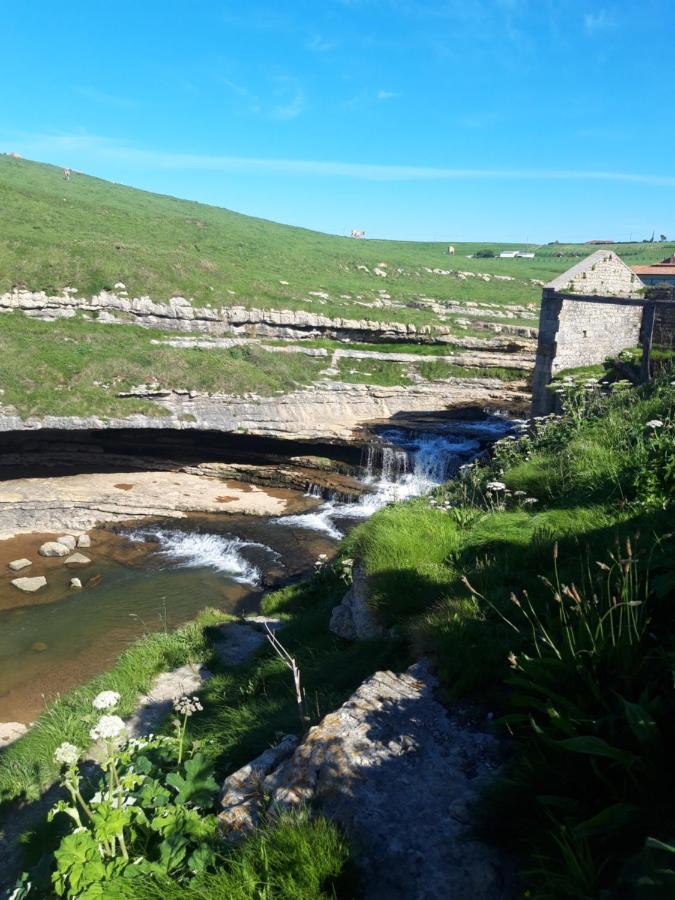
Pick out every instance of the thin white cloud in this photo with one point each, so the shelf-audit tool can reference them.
(387, 95)
(291, 98)
(320, 44)
(597, 21)
(93, 94)
(95, 148)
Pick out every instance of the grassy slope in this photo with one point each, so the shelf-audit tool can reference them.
(578, 811)
(89, 234)
(78, 367)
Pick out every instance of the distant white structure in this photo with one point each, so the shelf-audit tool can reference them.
(358, 234)
(516, 254)
(451, 250)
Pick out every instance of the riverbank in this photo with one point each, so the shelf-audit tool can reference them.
(83, 501)
(582, 502)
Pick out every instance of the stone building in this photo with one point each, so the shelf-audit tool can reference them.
(592, 311)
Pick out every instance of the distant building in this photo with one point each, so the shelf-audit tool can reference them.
(516, 254)
(601, 242)
(658, 273)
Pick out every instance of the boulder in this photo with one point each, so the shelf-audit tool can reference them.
(30, 584)
(77, 559)
(75, 583)
(54, 548)
(243, 790)
(67, 540)
(17, 564)
(84, 541)
(403, 777)
(353, 619)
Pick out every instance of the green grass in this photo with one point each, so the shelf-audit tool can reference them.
(293, 858)
(27, 766)
(374, 371)
(440, 370)
(587, 784)
(77, 367)
(247, 708)
(90, 234)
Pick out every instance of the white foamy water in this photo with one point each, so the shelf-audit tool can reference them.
(212, 551)
(407, 466)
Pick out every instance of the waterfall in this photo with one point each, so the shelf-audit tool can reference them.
(402, 465)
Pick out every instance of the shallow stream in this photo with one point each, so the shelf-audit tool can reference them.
(155, 576)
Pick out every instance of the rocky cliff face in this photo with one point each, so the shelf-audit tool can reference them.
(179, 314)
(330, 411)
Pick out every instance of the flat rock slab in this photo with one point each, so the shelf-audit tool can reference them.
(402, 777)
(11, 731)
(77, 559)
(54, 548)
(17, 564)
(237, 642)
(68, 540)
(30, 584)
(84, 541)
(154, 706)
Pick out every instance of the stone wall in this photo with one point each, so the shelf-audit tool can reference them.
(663, 335)
(580, 331)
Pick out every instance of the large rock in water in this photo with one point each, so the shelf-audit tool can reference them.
(352, 619)
(53, 548)
(402, 777)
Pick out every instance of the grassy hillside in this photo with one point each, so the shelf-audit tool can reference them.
(90, 234)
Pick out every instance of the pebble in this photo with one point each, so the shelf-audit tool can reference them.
(84, 541)
(17, 564)
(75, 583)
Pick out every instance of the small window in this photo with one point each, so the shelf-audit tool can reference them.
(585, 333)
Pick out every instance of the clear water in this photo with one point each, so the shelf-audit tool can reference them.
(408, 464)
(154, 577)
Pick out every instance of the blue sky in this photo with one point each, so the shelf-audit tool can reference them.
(443, 120)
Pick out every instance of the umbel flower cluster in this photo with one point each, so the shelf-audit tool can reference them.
(187, 706)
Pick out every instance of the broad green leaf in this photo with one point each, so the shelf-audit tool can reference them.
(594, 746)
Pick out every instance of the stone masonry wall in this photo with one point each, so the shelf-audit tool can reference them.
(579, 332)
(603, 273)
(664, 327)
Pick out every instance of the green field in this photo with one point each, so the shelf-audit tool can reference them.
(90, 234)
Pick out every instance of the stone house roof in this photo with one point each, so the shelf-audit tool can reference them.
(603, 273)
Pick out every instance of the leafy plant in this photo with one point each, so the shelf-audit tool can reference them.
(151, 815)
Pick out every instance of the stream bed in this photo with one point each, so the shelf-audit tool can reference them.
(155, 575)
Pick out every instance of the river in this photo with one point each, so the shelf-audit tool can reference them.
(153, 576)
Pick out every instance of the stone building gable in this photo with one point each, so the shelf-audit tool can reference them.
(602, 273)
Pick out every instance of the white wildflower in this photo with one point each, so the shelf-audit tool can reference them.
(520, 493)
(108, 728)
(654, 423)
(186, 705)
(106, 700)
(496, 486)
(66, 754)
(530, 501)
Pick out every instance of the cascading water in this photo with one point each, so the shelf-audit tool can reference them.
(405, 464)
(213, 551)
